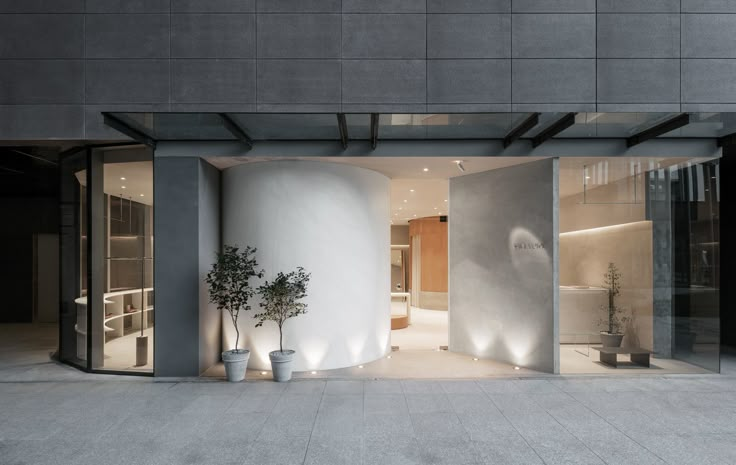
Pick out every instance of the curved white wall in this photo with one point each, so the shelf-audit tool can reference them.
(333, 220)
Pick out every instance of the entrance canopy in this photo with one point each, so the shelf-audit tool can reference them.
(490, 134)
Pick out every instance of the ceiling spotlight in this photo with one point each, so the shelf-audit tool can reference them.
(401, 208)
(425, 169)
(122, 187)
(360, 366)
(415, 215)
(460, 166)
(516, 368)
(314, 372)
(411, 190)
(122, 179)
(388, 356)
(405, 200)
(445, 200)
(475, 359)
(435, 208)
(142, 195)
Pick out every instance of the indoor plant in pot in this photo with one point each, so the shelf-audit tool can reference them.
(280, 300)
(614, 322)
(230, 289)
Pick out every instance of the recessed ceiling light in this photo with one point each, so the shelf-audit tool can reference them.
(445, 200)
(401, 208)
(475, 359)
(425, 169)
(360, 366)
(314, 372)
(435, 208)
(411, 190)
(415, 216)
(388, 356)
(122, 179)
(142, 195)
(405, 201)
(122, 187)
(396, 214)
(516, 368)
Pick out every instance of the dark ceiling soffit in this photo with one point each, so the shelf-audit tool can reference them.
(235, 129)
(727, 140)
(34, 157)
(120, 126)
(79, 148)
(342, 125)
(554, 129)
(664, 127)
(374, 130)
(521, 129)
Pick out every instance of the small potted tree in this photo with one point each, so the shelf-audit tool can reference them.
(614, 322)
(230, 289)
(280, 300)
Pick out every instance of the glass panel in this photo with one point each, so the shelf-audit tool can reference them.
(178, 126)
(612, 125)
(707, 125)
(448, 126)
(73, 257)
(641, 262)
(289, 127)
(359, 126)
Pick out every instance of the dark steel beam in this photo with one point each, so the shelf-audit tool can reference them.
(342, 125)
(657, 130)
(374, 130)
(553, 129)
(521, 129)
(730, 139)
(122, 127)
(235, 129)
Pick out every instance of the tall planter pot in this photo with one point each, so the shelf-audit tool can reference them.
(236, 362)
(281, 364)
(611, 340)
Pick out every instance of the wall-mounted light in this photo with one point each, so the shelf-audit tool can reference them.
(459, 164)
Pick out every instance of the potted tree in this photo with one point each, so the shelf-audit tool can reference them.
(230, 289)
(614, 322)
(280, 300)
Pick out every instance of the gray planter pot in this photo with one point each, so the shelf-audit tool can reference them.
(281, 364)
(611, 340)
(236, 361)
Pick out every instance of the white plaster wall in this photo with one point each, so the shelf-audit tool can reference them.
(504, 300)
(333, 220)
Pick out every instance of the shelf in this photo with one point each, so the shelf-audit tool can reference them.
(137, 312)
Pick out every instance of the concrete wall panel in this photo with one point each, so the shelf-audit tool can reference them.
(127, 6)
(127, 36)
(37, 122)
(553, 81)
(639, 36)
(553, 36)
(299, 81)
(213, 81)
(384, 36)
(298, 6)
(41, 81)
(213, 6)
(503, 265)
(639, 81)
(708, 81)
(553, 6)
(384, 6)
(456, 81)
(708, 6)
(213, 36)
(469, 36)
(52, 36)
(127, 81)
(468, 6)
(708, 36)
(299, 36)
(384, 81)
(42, 6)
(638, 6)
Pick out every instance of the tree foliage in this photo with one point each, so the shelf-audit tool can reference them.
(229, 281)
(280, 299)
(614, 321)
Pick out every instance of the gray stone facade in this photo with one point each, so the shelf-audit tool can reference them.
(65, 61)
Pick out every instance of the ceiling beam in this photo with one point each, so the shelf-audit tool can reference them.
(683, 119)
(553, 129)
(122, 127)
(235, 129)
(729, 139)
(374, 130)
(342, 125)
(521, 129)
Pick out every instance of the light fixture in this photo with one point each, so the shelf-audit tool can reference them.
(122, 187)
(314, 372)
(425, 169)
(122, 179)
(459, 164)
(396, 214)
(516, 368)
(401, 208)
(360, 366)
(475, 359)
(405, 201)
(388, 356)
(435, 208)
(142, 195)
(263, 373)
(445, 200)
(415, 215)
(411, 190)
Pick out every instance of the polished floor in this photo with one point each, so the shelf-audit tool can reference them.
(52, 414)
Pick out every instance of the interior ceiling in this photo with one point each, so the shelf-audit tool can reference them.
(138, 182)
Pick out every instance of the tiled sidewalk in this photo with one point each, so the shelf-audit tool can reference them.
(685, 420)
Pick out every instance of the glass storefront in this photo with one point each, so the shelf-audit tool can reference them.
(107, 293)
(639, 272)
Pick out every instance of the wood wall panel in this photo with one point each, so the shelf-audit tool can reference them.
(434, 252)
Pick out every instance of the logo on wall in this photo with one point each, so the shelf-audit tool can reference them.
(528, 246)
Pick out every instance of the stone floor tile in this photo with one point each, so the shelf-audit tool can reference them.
(287, 425)
(460, 387)
(338, 425)
(521, 403)
(387, 425)
(387, 386)
(283, 450)
(428, 403)
(421, 386)
(334, 451)
(436, 425)
(254, 403)
(534, 386)
(448, 451)
(497, 386)
(305, 386)
(297, 404)
(343, 404)
(557, 449)
(385, 403)
(482, 425)
(391, 450)
(339, 387)
(615, 448)
(507, 448)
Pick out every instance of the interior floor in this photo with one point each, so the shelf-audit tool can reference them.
(427, 331)
(120, 352)
(580, 359)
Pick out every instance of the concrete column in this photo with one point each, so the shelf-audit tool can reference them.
(187, 235)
